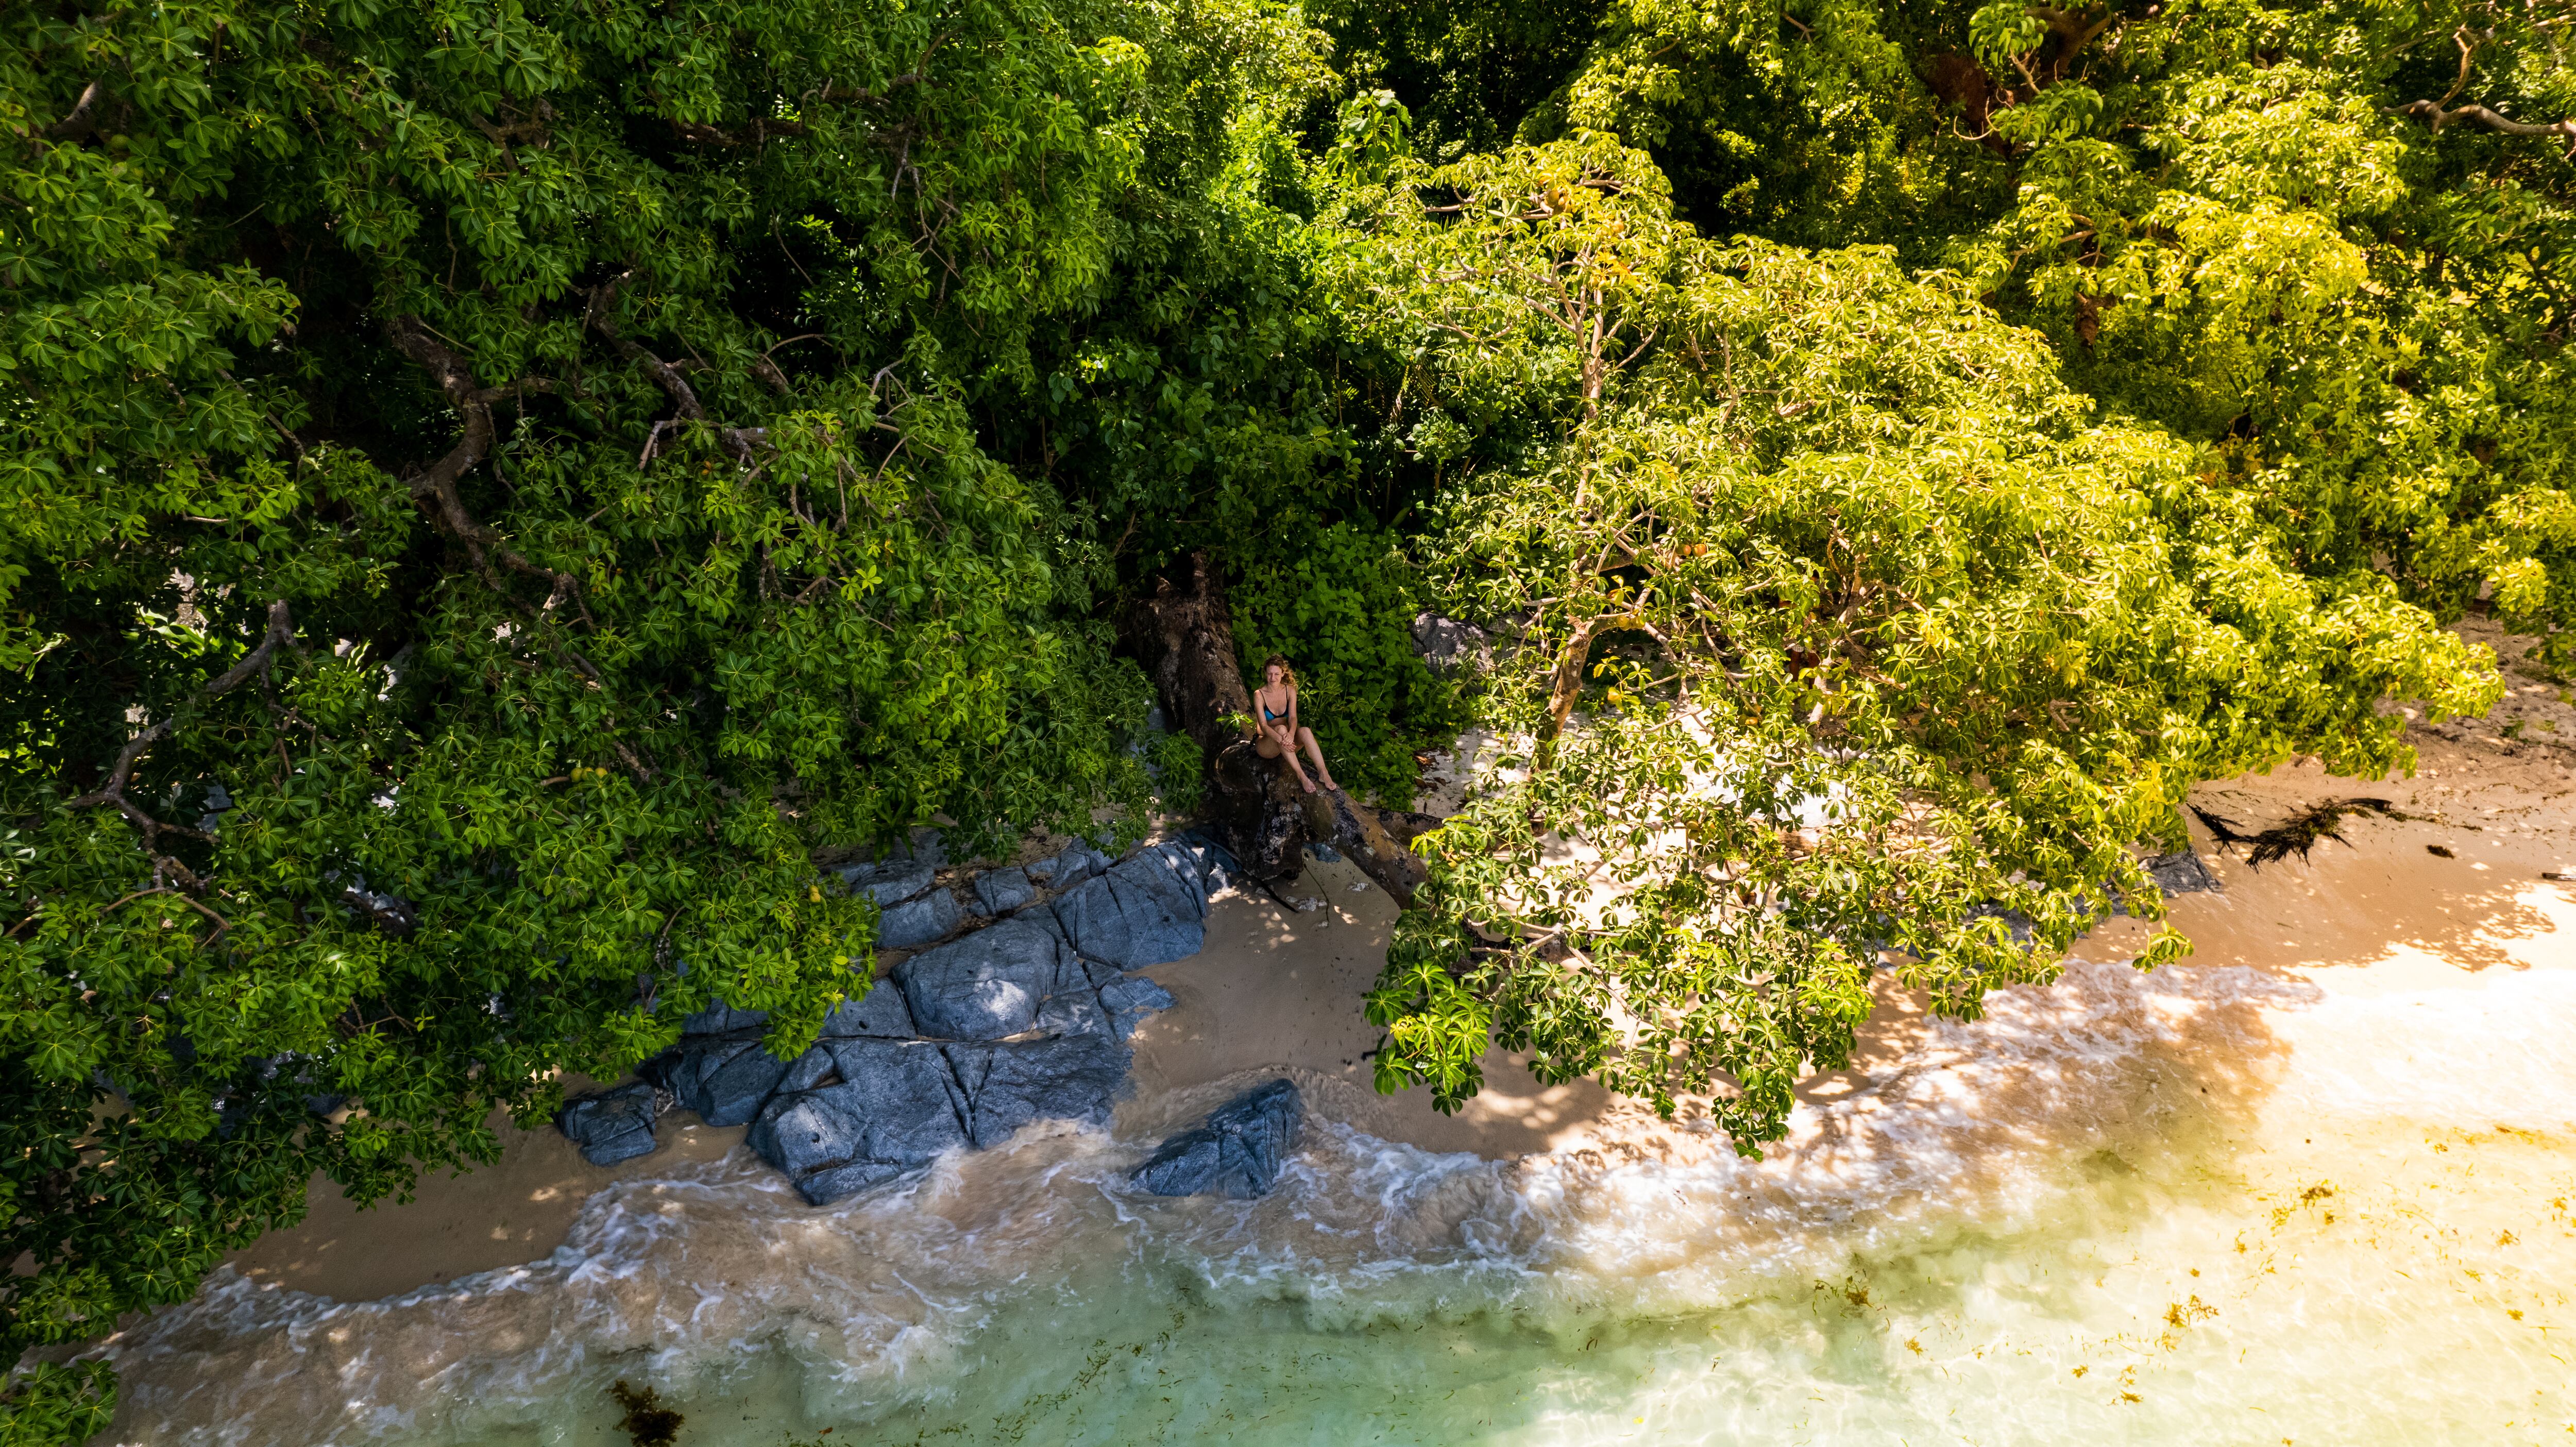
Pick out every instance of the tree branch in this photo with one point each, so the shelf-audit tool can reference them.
(434, 487)
(221, 924)
(738, 441)
(2432, 114)
(280, 632)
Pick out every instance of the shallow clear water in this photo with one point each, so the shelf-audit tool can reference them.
(2193, 1207)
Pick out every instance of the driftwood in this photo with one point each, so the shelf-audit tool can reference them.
(1185, 635)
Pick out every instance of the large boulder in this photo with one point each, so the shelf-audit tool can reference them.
(888, 1108)
(931, 917)
(1237, 1153)
(1071, 1077)
(1147, 910)
(1176, 869)
(989, 985)
(724, 1078)
(611, 1125)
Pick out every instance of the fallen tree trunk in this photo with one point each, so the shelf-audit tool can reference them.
(1185, 635)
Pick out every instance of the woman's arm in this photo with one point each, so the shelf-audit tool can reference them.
(1270, 727)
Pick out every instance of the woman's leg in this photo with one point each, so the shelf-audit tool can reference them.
(1315, 751)
(1270, 747)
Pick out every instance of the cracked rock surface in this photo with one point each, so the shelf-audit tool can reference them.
(964, 1042)
(1236, 1153)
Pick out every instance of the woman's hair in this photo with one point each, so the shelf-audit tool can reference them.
(1286, 674)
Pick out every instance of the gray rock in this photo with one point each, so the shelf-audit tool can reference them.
(1074, 864)
(1134, 921)
(891, 1110)
(722, 1078)
(988, 985)
(813, 1069)
(2181, 872)
(1044, 918)
(1217, 865)
(1237, 1153)
(611, 1125)
(1445, 643)
(1072, 1077)
(1172, 869)
(933, 916)
(1075, 1012)
(881, 1012)
(1128, 999)
(1324, 853)
(887, 884)
(1000, 891)
(923, 846)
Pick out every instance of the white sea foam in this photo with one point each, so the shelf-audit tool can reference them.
(2012, 1200)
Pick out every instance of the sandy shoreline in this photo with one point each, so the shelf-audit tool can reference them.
(1277, 992)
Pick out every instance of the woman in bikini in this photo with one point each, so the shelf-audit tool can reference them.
(1280, 733)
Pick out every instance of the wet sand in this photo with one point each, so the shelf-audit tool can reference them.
(1277, 992)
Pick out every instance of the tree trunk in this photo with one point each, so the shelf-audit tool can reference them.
(1185, 635)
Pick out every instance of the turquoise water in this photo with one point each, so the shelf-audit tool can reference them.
(2194, 1207)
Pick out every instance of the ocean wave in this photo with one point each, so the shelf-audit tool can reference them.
(717, 1282)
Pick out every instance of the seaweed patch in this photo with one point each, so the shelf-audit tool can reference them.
(2297, 834)
(647, 1422)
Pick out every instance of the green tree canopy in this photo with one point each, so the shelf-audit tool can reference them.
(492, 493)
(1815, 542)
(496, 492)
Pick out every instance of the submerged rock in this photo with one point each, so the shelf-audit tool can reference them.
(611, 1125)
(887, 1108)
(1237, 1153)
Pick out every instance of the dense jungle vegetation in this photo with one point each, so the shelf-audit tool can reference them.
(493, 489)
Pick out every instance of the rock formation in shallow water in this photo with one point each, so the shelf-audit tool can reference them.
(612, 1125)
(1237, 1152)
(962, 1043)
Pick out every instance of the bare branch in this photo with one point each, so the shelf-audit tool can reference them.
(738, 441)
(280, 632)
(2433, 115)
(221, 924)
(434, 487)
